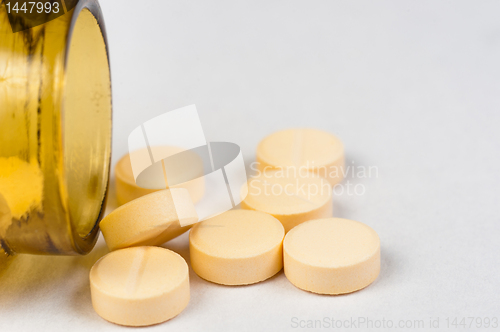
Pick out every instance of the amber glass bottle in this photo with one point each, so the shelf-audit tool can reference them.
(55, 133)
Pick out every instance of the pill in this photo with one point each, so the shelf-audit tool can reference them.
(291, 198)
(238, 247)
(21, 185)
(331, 256)
(149, 220)
(139, 286)
(127, 189)
(303, 149)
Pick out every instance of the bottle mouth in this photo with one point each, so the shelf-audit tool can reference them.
(55, 132)
(86, 127)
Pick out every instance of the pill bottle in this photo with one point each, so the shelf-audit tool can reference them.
(55, 133)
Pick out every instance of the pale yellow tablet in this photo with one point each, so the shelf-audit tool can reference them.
(303, 149)
(21, 185)
(139, 286)
(149, 220)
(238, 247)
(331, 256)
(127, 189)
(291, 198)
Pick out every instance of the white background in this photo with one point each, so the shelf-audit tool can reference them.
(412, 88)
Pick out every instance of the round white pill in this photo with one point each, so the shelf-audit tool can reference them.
(291, 198)
(303, 148)
(149, 220)
(331, 256)
(139, 286)
(238, 247)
